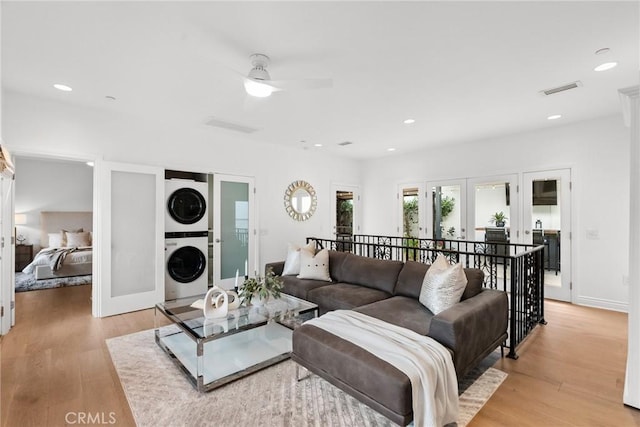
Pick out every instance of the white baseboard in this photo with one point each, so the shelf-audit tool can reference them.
(603, 303)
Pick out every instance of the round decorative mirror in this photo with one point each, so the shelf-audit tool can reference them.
(300, 200)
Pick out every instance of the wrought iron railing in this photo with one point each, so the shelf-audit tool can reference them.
(515, 268)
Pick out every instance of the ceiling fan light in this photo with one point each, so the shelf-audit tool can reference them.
(257, 89)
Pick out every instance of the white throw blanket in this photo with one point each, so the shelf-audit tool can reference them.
(425, 361)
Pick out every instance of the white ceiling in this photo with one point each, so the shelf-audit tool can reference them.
(463, 70)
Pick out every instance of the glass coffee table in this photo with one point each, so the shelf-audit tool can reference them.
(214, 352)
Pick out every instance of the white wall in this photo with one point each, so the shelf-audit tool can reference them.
(597, 151)
(46, 185)
(43, 125)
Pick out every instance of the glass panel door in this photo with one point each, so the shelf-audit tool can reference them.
(446, 210)
(410, 213)
(345, 205)
(233, 230)
(344, 215)
(411, 207)
(130, 214)
(493, 210)
(546, 221)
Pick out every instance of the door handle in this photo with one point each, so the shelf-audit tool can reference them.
(218, 240)
(527, 232)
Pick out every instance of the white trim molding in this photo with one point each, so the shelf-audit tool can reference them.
(602, 303)
(630, 98)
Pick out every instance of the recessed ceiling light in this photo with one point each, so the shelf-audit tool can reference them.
(90, 164)
(554, 117)
(110, 98)
(62, 87)
(317, 145)
(391, 149)
(606, 66)
(409, 121)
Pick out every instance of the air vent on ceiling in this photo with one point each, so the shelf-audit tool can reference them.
(568, 86)
(230, 126)
(345, 143)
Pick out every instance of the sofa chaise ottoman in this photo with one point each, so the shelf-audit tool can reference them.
(389, 291)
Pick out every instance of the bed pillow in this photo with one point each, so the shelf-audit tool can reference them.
(55, 240)
(64, 234)
(292, 263)
(75, 240)
(443, 285)
(314, 267)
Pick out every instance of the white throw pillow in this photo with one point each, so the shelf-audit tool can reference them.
(314, 267)
(443, 285)
(55, 240)
(75, 240)
(292, 263)
(64, 234)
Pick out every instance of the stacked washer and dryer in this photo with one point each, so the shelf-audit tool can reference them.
(186, 235)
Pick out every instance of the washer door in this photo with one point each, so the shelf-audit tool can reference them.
(186, 205)
(186, 264)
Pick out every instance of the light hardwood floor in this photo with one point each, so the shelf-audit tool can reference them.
(55, 365)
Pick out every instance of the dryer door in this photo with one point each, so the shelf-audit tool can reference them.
(186, 205)
(186, 264)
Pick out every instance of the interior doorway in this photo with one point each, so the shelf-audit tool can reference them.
(546, 201)
(53, 184)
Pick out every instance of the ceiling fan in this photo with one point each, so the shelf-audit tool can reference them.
(258, 82)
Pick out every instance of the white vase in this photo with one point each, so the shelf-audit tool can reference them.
(218, 308)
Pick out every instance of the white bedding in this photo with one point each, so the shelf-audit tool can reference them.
(84, 255)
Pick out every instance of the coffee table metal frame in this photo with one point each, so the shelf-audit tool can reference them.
(275, 318)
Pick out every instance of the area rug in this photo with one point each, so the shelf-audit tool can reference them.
(27, 282)
(159, 394)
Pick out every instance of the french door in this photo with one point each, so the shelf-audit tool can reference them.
(234, 237)
(411, 208)
(128, 270)
(489, 199)
(498, 209)
(546, 220)
(446, 210)
(345, 208)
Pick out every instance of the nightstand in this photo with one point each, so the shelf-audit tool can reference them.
(24, 255)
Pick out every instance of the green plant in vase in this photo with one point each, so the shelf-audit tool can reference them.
(261, 288)
(498, 219)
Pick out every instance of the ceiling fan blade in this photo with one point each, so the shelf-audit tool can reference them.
(303, 84)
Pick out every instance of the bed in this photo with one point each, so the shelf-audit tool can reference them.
(67, 235)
